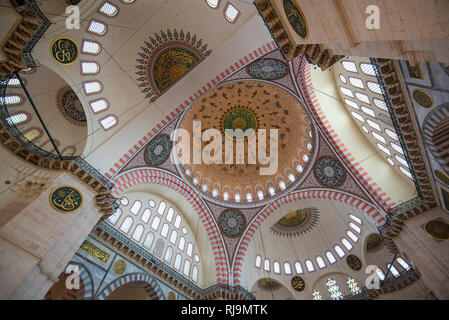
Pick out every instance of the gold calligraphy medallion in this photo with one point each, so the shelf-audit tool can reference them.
(66, 199)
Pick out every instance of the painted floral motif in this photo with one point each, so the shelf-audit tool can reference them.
(158, 150)
(296, 223)
(231, 222)
(268, 69)
(329, 172)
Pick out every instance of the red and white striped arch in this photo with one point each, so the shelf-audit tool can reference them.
(141, 176)
(304, 80)
(374, 214)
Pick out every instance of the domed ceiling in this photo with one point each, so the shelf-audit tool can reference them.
(249, 104)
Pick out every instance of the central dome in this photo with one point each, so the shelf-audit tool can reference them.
(256, 105)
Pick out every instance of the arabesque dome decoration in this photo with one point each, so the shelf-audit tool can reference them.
(166, 59)
(249, 104)
(70, 107)
(296, 223)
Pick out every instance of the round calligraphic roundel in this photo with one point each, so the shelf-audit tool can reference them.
(298, 283)
(437, 229)
(268, 69)
(354, 262)
(158, 150)
(171, 296)
(423, 98)
(66, 199)
(231, 222)
(329, 172)
(119, 267)
(296, 18)
(64, 51)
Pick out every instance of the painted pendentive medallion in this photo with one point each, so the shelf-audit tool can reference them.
(354, 262)
(296, 223)
(66, 199)
(165, 59)
(119, 267)
(70, 107)
(64, 51)
(329, 172)
(422, 98)
(158, 150)
(437, 229)
(296, 18)
(267, 69)
(231, 222)
(298, 283)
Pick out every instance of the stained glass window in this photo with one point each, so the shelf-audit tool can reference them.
(333, 289)
(316, 295)
(353, 286)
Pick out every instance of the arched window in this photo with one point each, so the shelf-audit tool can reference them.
(298, 267)
(88, 68)
(349, 66)
(91, 87)
(170, 214)
(380, 274)
(352, 104)
(353, 286)
(99, 105)
(330, 257)
(393, 270)
(339, 251)
(195, 274)
(362, 97)
(148, 240)
(374, 87)
(380, 104)
(266, 265)
(11, 100)
(358, 116)
(320, 262)
(392, 134)
(378, 136)
(351, 235)
(383, 148)
(287, 268)
(136, 207)
(32, 134)
(155, 223)
(17, 118)
(403, 264)
(177, 264)
(177, 221)
(138, 233)
(258, 261)
(358, 220)
(213, 3)
(369, 111)
(367, 69)
(309, 266)
(126, 225)
(186, 270)
(333, 289)
(189, 249)
(168, 255)
(161, 208)
(97, 27)
(164, 231)
(231, 13)
(316, 295)
(114, 218)
(181, 244)
(346, 243)
(90, 47)
(173, 236)
(276, 267)
(124, 201)
(355, 227)
(108, 122)
(158, 248)
(356, 82)
(347, 92)
(146, 215)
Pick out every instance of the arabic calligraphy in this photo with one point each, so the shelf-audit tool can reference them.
(66, 199)
(64, 51)
(94, 251)
(354, 262)
(298, 283)
(296, 18)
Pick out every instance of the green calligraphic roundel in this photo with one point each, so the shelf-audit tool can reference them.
(354, 262)
(296, 18)
(298, 283)
(66, 199)
(239, 118)
(64, 51)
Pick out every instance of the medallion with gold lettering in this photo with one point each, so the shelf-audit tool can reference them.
(66, 199)
(298, 283)
(64, 51)
(296, 18)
